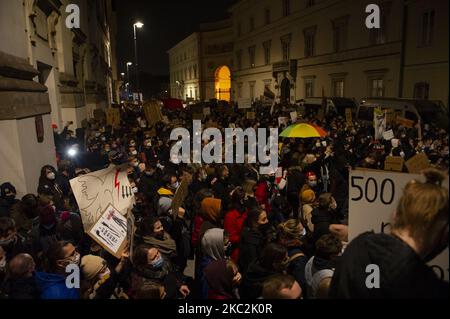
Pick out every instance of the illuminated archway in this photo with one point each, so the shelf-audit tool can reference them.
(223, 83)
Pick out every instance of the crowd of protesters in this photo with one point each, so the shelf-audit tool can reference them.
(249, 235)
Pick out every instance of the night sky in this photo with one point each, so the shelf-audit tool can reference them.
(166, 22)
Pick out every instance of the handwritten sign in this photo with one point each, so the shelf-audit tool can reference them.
(110, 231)
(388, 135)
(180, 194)
(96, 191)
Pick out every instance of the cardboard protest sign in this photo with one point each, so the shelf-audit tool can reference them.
(131, 229)
(110, 231)
(95, 191)
(393, 163)
(152, 112)
(244, 103)
(373, 198)
(251, 115)
(388, 135)
(180, 194)
(348, 116)
(294, 116)
(404, 122)
(417, 163)
(113, 117)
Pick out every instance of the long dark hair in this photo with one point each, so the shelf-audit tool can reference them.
(272, 254)
(252, 218)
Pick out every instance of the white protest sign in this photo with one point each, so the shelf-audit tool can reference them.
(294, 116)
(95, 191)
(244, 103)
(110, 231)
(373, 197)
(388, 135)
(283, 120)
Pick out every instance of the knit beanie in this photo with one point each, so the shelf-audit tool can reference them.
(91, 265)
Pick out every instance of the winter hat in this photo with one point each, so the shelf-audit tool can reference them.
(395, 142)
(211, 208)
(308, 196)
(7, 188)
(91, 266)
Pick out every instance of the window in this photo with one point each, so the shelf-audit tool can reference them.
(340, 34)
(309, 35)
(338, 87)
(239, 90)
(309, 3)
(377, 87)
(421, 90)
(286, 7)
(427, 28)
(266, 46)
(252, 23)
(251, 56)
(286, 47)
(267, 18)
(309, 88)
(239, 60)
(252, 90)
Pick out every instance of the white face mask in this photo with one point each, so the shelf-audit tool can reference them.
(51, 176)
(135, 190)
(134, 152)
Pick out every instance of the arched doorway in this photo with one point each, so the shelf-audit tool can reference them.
(285, 90)
(223, 83)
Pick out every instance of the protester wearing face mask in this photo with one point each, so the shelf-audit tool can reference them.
(151, 266)
(44, 231)
(11, 242)
(324, 215)
(274, 260)
(99, 281)
(153, 234)
(311, 183)
(214, 246)
(52, 283)
(419, 233)
(149, 180)
(253, 238)
(48, 186)
(291, 234)
(7, 199)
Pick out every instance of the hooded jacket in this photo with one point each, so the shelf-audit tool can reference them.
(253, 281)
(403, 274)
(53, 286)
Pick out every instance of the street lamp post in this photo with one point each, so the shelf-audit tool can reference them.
(128, 79)
(137, 25)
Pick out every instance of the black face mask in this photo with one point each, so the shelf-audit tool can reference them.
(264, 228)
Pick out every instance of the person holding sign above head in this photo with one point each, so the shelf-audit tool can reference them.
(394, 265)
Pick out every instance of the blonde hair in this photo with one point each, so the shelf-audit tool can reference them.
(289, 229)
(422, 204)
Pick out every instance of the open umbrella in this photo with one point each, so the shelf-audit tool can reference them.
(304, 130)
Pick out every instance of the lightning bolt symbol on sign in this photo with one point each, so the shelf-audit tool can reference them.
(117, 183)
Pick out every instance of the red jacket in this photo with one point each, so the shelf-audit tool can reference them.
(233, 224)
(262, 196)
(198, 221)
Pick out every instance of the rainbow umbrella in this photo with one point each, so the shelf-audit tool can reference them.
(304, 130)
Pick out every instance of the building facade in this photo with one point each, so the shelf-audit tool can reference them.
(200, 65)
(313, 48)
(50, 74)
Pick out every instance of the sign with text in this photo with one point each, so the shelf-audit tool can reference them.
(388, 135)
(95, 191)
(244, 103)
(393, 163)
(373, 197)
(110, 231)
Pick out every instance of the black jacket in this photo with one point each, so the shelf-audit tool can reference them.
(252, 283)
(250, 247)
(322, 219)
(403, 274)
(24, 288)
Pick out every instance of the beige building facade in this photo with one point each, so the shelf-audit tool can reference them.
(50, 74)
(313, 48)
(197, 61)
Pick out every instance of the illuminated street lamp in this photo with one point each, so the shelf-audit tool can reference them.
(137, 25)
